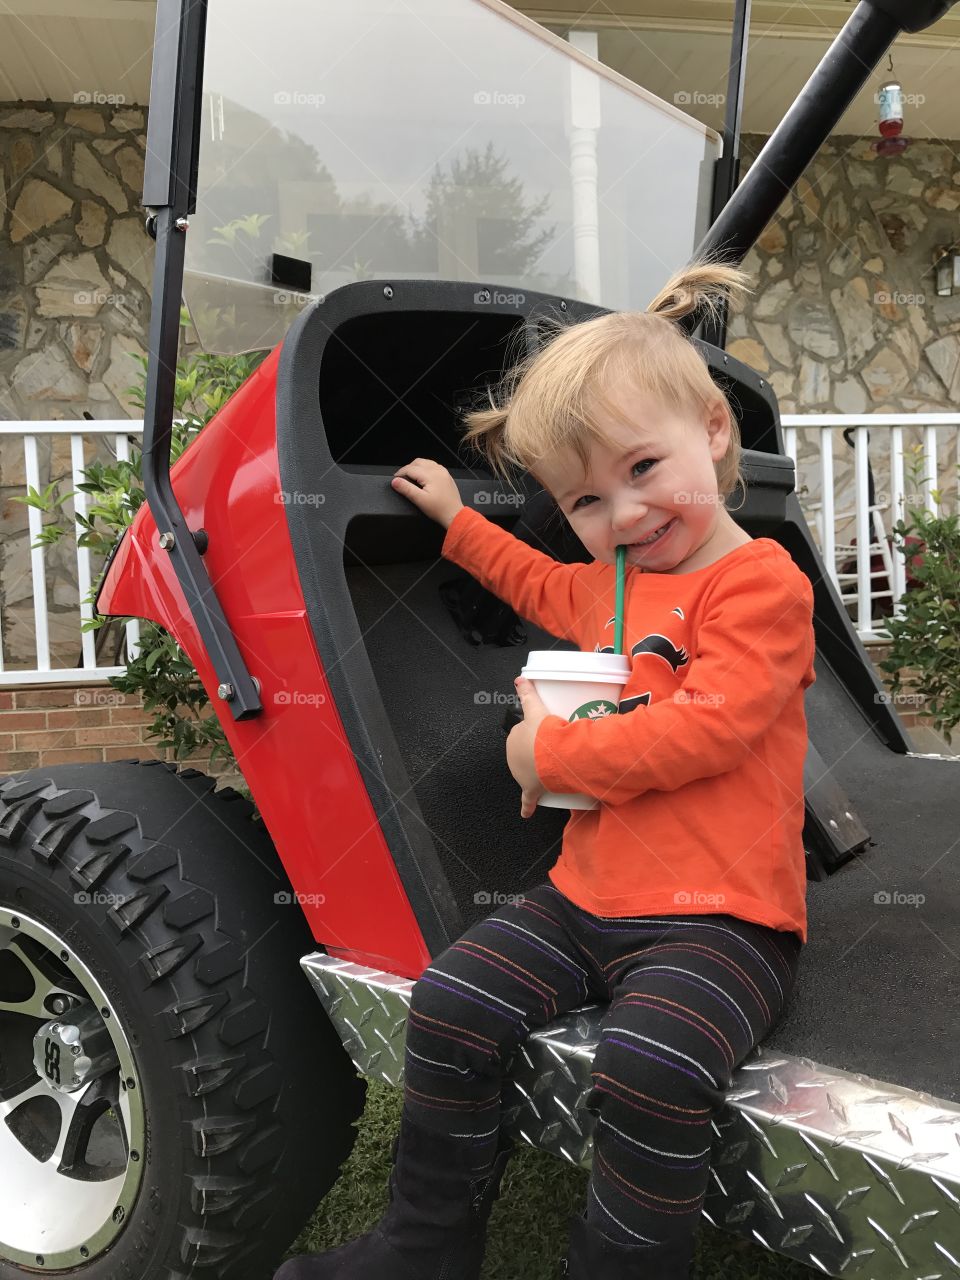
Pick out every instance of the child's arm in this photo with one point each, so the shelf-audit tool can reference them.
(755, 647)
(556, 597)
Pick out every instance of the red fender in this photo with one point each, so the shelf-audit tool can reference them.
(294, 755)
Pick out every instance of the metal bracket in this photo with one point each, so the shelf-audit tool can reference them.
(170, 192)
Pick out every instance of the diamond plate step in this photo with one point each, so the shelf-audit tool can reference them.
(849, 1175)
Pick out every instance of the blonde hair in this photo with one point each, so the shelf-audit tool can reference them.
(546, 402)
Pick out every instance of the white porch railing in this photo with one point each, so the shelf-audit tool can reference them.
(880, 441)
(86, 669)
(890, 434)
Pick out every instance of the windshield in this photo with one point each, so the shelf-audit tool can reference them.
(428, 139)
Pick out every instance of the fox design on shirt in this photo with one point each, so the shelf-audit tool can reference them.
(659, 646)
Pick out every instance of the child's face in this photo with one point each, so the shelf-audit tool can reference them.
(667, 476)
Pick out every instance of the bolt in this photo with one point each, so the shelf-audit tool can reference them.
(55, 1028)
(563, 305)
(387, 291)
(167, 541)
(118, 1214)
(59, 1004)
(225, 692)
(134, 1156)
(131, 1083)
(181, 224)
(76, 1080)
(75, 1050)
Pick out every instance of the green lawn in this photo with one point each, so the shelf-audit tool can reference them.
(527, 1234)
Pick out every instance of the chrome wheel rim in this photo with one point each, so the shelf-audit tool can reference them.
(71, 1145)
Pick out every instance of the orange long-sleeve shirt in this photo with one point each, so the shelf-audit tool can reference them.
(700, 774)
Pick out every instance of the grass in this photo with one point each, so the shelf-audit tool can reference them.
(527, 1235)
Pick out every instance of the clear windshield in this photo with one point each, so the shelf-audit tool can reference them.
(428, 139)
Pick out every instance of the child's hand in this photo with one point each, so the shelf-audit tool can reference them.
(520, 741)
(437, 495)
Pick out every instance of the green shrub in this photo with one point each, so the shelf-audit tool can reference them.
(162, 672)
(925, 629)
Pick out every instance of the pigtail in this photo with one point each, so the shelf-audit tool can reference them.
(700, 284)
(485, 434)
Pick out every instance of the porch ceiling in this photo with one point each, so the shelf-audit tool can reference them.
(58, 48)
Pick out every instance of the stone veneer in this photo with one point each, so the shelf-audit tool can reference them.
(845, 317)
(76, 270)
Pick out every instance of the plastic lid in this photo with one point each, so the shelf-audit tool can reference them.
(577, 664)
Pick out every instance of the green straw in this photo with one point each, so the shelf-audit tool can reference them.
(618, 608)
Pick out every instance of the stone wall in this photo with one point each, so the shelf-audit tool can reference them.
(76, 269)
(845, 317)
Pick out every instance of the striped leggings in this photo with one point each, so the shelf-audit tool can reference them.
(689, 997)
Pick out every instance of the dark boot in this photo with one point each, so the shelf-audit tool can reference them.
(435, 1226)
(593, 1255)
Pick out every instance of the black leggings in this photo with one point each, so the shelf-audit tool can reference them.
(689, 996)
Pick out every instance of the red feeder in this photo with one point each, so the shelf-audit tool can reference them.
(890, 97)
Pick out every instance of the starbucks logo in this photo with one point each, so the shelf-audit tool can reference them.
(594, 710)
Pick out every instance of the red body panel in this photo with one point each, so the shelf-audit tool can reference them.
(294, 755)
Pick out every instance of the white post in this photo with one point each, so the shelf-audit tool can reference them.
(35, 527)
(584, 170)
(83, 553)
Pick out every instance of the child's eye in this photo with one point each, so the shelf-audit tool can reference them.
(589, 497)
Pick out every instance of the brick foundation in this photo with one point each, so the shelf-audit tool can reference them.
(70, 723)
(73, 723)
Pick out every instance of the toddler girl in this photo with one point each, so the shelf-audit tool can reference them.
(680, 899)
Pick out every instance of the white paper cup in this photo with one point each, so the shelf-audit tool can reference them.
(577, 685)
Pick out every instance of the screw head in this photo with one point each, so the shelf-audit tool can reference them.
(387, 291)
(225, 692)
(167, 540)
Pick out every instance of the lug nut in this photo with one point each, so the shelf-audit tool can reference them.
(167, 540)
(225, 692)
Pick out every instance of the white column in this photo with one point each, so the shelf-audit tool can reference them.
(584, 124)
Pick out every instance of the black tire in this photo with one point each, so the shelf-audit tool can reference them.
(249, 1096)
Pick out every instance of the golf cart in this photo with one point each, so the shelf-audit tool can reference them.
(187, 993)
